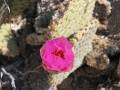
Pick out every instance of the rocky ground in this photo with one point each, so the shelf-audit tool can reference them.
(101, 68)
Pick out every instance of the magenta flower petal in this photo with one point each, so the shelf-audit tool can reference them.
(57, 55)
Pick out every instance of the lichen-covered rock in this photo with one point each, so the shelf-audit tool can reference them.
(8, 45)
(42, 22)
(97, 59)
(55, 6)
(107, 5)
(18, 23)
(101, 42)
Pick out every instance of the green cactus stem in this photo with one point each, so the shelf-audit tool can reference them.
(8, 46)
(79, 13)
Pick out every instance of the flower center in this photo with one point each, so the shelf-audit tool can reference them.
(59, 53)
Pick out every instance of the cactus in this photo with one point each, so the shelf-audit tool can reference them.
(80, 27)
(82, 45)
(78, 22)
(78, 14)
(8, 45)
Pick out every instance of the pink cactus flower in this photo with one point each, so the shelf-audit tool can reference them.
(57, 55)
